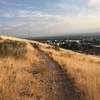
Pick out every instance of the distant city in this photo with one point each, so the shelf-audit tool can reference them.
(83, 43)
(88, 46)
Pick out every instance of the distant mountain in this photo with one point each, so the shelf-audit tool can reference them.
(71, 36)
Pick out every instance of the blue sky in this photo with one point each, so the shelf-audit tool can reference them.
(49, 17)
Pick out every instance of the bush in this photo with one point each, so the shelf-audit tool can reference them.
(12, 48)
(35, 45)
(56, 48)
(1, 38)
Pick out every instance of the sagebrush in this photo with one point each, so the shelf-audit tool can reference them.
(12, 48)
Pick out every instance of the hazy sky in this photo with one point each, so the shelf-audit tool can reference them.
(49, 17)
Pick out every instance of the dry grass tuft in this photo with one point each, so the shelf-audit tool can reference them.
(11, 48)
(1, 38)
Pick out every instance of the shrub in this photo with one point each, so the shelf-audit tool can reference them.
(12, 48)
(35, 45)
(56, 48)
(1, 38)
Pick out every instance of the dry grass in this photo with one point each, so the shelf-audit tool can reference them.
(12, 48)
(83, 69)
(20, 79)
(34, 78)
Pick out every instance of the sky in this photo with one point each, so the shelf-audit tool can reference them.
(49, 17)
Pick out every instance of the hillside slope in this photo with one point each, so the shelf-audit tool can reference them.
(30, 70)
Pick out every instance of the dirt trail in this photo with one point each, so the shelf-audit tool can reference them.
(58, 84)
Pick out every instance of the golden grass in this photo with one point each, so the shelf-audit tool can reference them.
(18, 78)
(11, 48)
(22, 79)
(83, 69)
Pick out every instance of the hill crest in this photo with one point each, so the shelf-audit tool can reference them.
(45, 73)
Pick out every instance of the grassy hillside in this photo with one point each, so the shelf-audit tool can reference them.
(30, 70)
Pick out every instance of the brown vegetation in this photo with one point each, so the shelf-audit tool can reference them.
(47, 73)
(83, 69)
(12, 48)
